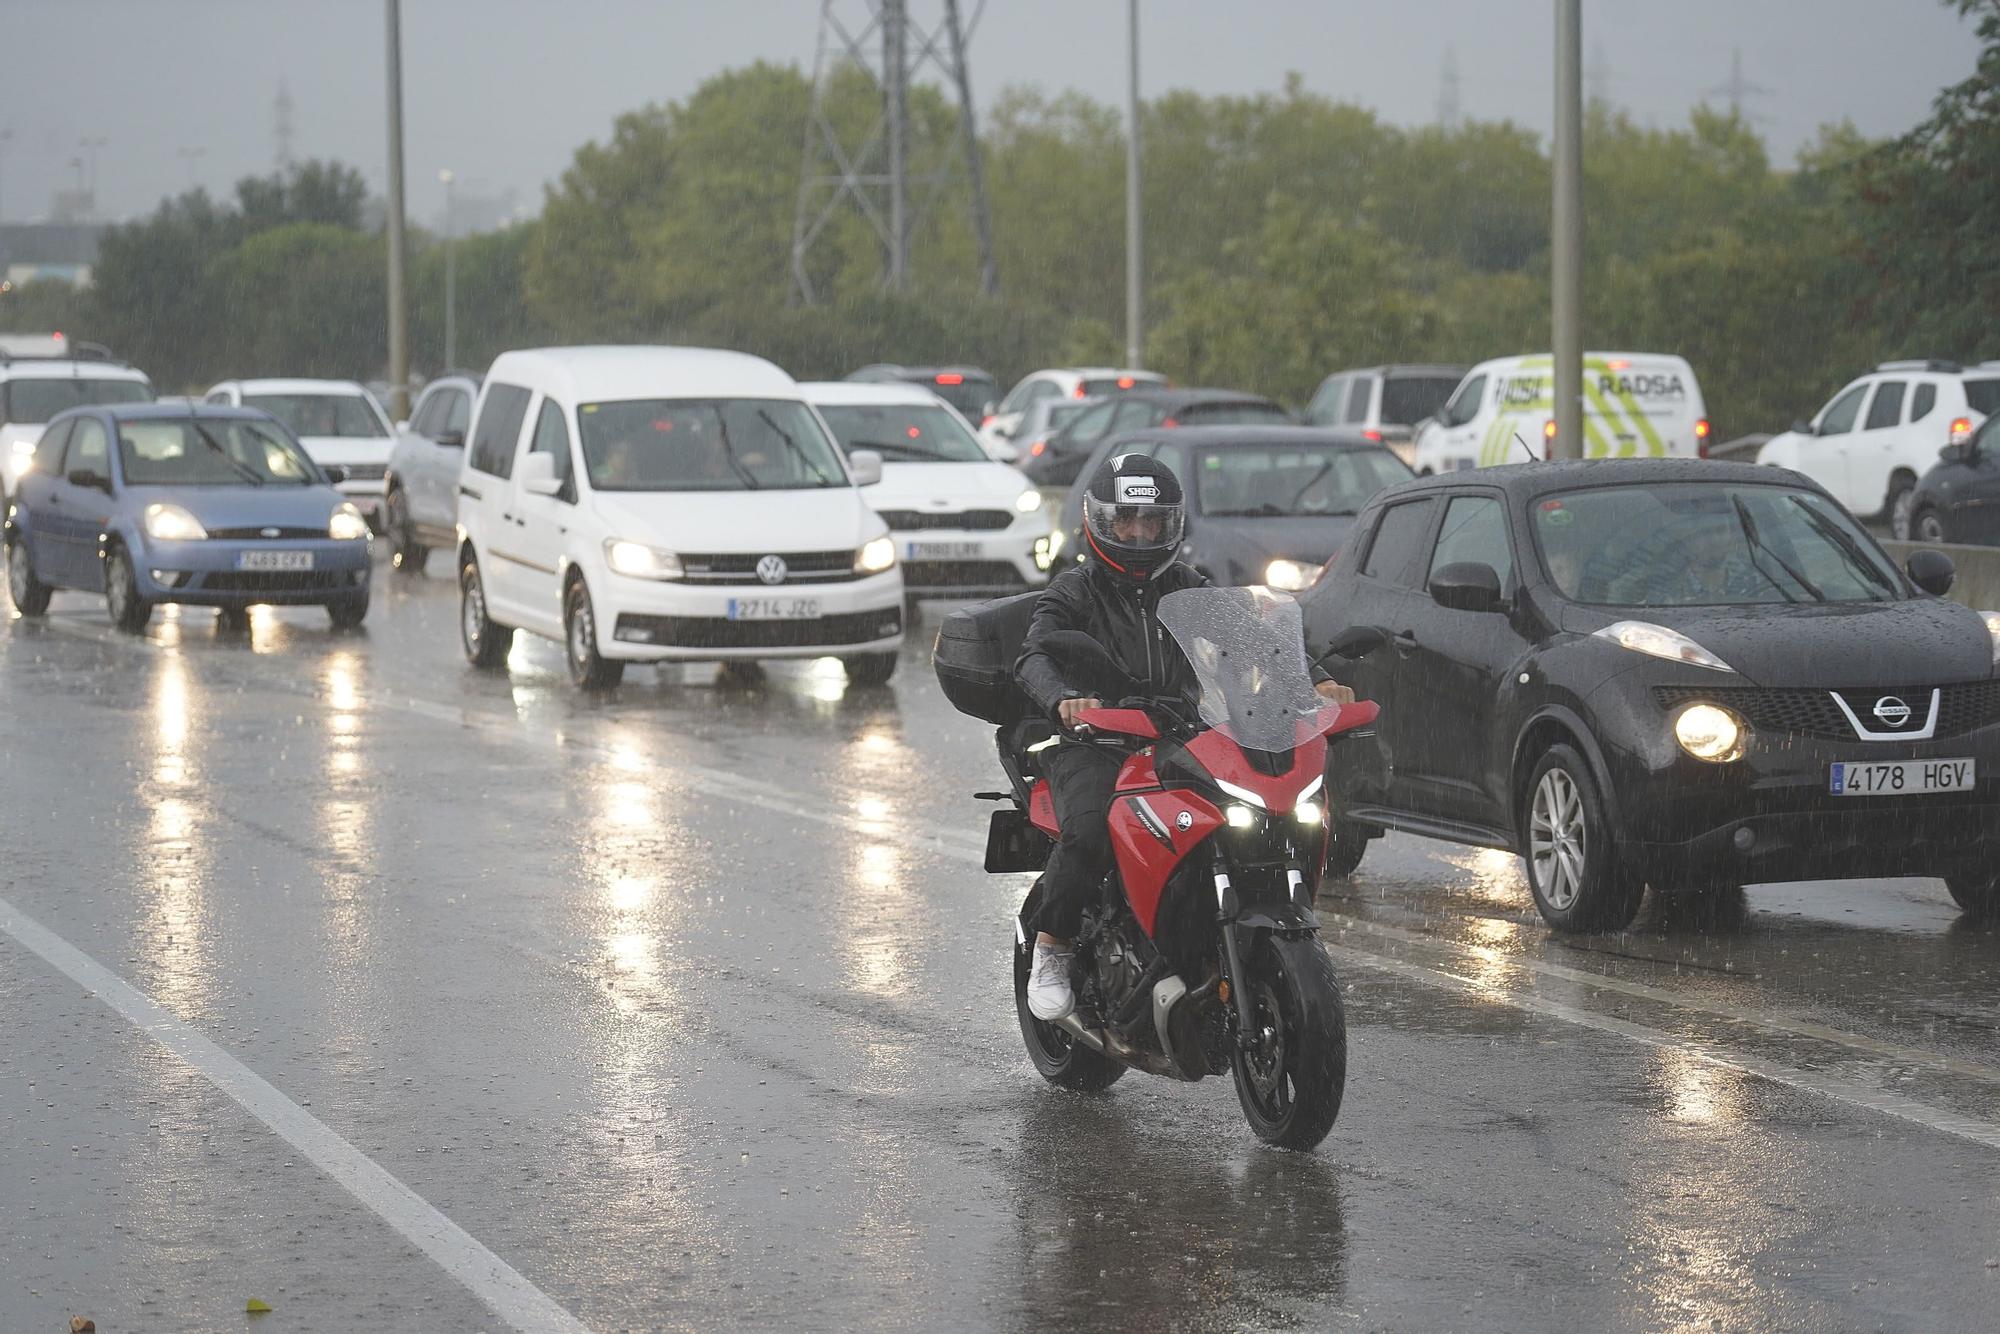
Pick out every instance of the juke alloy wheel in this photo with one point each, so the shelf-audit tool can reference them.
(1572, 859)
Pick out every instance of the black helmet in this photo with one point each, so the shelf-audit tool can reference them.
(1131, 487)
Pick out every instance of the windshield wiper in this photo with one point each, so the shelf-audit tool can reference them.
(1749, 526)
(243, 470)
(1311, 482)
(743, 474)
(885, 446)
(1829, 530)
(793, 445)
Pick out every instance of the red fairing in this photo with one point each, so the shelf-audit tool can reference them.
(1149, 840)
(1340, 718)
(1220, 756)
(1042, 808)
(1126, 722)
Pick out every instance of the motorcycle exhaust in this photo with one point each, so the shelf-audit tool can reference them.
(1107, 1043)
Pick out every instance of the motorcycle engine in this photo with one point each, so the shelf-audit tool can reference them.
(1118, 962)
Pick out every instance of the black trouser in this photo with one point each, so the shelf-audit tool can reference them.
(1080, 781)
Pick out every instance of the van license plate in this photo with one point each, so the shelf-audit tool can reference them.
(1905, 776)
(940, 550)
(274, 560)
(773, 609)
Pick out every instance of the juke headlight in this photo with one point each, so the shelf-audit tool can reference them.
(1661, 642)
(636, 560)
(1710, 732)
(876, 556)
(171, 523)
(347, 525)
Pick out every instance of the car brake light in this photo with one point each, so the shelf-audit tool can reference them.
(1079, 391)
(1035, 450)
(1126, 382)
(1549, 439)
(1701, 429)
(913, 433)
(988, 420)
(1961, 428)
(1171, 421)
(950, 378)
(57, 335)
(1618, 364)
(1375, 436)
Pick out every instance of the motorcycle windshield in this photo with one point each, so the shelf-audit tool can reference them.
(1248, 649)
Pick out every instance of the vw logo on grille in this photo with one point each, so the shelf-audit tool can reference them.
(772, 570)
(267, 532)
(1892, 711)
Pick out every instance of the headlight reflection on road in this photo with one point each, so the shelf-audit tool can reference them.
(175, 860)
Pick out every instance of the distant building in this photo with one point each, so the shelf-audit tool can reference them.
(38, 251)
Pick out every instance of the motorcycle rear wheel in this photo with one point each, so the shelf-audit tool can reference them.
(1291, 1081)
(1058, 1057)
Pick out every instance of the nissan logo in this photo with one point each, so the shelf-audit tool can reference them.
(771, 570)
(1892, 711)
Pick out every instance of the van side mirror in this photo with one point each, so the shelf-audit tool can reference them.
(866, 465)
(1466, 586)
(538, 475)
(1931, 571)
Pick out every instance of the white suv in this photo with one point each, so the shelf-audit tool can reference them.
(339, 423)
(965, 526)
(35, 388)
(646, 504)
(1072, 382)
(1881, 432)
(420, 505)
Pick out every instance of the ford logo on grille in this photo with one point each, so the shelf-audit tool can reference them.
(772, 570)
(1892, 711)
(267, 532)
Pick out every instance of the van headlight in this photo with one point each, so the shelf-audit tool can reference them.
(347, 525)
(1028, 501)
(876, 556)
(171, 523)
(1709, 732)
(636, 560)
(1660, 642)
(1290, 575)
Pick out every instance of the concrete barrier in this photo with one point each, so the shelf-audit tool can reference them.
(1978, 582)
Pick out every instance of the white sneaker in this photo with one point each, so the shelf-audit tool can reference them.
(1049, 994)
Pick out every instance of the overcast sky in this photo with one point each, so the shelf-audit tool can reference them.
(503, 91)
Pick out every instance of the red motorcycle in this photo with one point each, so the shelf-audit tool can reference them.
(1200, 954)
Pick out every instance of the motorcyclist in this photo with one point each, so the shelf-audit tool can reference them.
(1133, 522)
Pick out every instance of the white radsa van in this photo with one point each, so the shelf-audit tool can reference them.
(1635, 405)
(644, 504)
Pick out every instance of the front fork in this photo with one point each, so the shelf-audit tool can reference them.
(1228, 915)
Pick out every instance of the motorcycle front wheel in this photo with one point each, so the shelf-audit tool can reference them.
(1291, 1071)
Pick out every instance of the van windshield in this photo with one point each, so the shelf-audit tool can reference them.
(1408, 399)
(37, 400)
(685, 444)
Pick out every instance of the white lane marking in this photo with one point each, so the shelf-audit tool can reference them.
(768, 796)
(1984, 1133)
(489, 1278)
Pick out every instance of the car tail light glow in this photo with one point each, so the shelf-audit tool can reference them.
(1961, 430)
(1126, 382)
(1375, 436)
(987, 420)
(950, 378)
(1171, 421)
(1618, 364)
(1079, 391)
(1701, 429)
(1035, 450)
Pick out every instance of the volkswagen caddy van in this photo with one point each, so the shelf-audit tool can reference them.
(650, 504)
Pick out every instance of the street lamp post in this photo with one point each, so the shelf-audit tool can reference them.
(399, 347)
(90, 145)
(450, 275)
(1135, 314)
(1566, 269)
(6, 138)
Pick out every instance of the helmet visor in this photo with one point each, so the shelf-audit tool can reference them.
(1138, 529)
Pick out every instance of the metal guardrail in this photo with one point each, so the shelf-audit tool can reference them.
(1978, 582)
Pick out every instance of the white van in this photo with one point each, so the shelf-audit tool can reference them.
(1635, 405)
(965, 526)
(647, 504)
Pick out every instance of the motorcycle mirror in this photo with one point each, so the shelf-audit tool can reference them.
(1357, 641)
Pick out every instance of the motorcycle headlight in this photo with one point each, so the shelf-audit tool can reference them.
(1307, 812)
(1239, 816)
(171, 523)
(1710, 733)
(1660, 642)
(1028, 501)
(876, 557)
(347, 525)
(1290, 575)
(636, 560)
(1992, 619)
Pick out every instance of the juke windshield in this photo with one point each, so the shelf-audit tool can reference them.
(742, 444)
(1691, 544)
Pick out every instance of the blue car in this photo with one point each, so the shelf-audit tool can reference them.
(207, 506)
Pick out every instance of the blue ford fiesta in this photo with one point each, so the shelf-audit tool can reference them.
(209, 506)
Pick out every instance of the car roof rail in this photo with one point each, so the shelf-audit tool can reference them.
(92, 352)
(1923, 364)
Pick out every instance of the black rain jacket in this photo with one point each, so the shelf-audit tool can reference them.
(1120, 614)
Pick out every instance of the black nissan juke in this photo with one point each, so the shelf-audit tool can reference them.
(1685, 674)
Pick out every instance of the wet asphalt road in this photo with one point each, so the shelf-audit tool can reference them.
(688, 1008)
